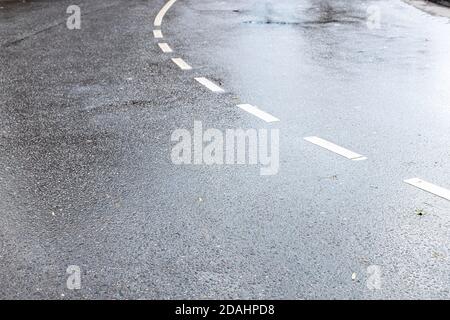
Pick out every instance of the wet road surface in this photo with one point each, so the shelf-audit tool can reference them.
(86, 176)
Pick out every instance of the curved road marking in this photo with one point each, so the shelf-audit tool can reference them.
(165, 47)
(181, 63)
(429, 187)
(205, 82)
(159, 18)
(258, 112)
(335, 148)
(209, 84)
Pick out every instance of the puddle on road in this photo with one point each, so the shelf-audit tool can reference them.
(324, 13)
(305, 23)
(271, 22)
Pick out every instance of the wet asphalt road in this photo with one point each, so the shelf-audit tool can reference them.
(86, 176)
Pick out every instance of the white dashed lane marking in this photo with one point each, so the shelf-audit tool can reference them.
(159, 18)
(429, 187)
(182, 64)
(210, 85)
(336, 149)
(258, 113)
(157, 34)
(165, 47)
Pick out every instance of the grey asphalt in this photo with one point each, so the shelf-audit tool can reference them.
(86, 176)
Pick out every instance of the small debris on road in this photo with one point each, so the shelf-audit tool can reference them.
(420, 212)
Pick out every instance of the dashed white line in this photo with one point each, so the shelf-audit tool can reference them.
(258, 113)
(336, 149)
(165, 47)
(162, 12)
(429, 187)
(182, 64)
(157, 34)
(209, 84)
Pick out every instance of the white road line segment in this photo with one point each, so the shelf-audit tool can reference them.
(157, 34)
(258, 112)
(429, 187)
(335, 148)
(182, 64)
(165, 47)
(209, 84)
(159, 18)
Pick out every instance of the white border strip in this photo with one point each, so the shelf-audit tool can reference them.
(429, 187)
(181, 63)
(258, 112)
(210, 85)
(335, 148)
(165, 47)
(157, 34)
(159, 18)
